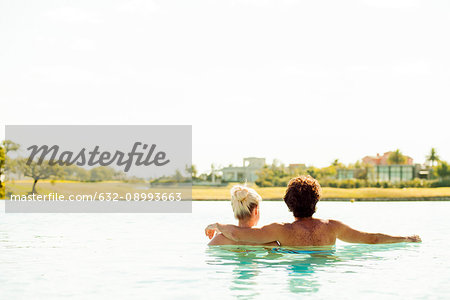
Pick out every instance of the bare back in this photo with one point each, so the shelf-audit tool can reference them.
(307, 232)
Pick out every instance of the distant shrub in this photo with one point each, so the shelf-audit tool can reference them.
(264, 183)
(418, 183)
(359, 183)
(441, 183)
(333, 183)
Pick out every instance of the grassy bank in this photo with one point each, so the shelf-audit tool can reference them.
(223, 193)
(274, 193)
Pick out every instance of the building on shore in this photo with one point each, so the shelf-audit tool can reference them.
(377, 168)
(383, 160)
(343, 174)
(248, 172)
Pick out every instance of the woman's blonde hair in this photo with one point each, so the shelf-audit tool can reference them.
(243, 201)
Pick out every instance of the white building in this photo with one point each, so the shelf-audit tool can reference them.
(248, 172)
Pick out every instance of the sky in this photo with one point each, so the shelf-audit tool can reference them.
(299, 81)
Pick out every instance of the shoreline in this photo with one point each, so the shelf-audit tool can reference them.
(397, 199)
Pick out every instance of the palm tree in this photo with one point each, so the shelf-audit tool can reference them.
(396, 158)
(433, 157)
(336, 162)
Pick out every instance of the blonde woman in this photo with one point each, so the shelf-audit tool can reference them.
(245, 202)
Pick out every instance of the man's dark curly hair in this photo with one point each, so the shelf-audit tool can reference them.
(302, 195)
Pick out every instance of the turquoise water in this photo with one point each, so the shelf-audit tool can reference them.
(153, 256)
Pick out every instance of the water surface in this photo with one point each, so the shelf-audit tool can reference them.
(142, 256)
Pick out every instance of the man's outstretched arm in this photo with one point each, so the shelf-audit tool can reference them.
(347, 234)
(266, 234)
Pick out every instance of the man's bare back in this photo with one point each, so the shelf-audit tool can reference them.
(310, 232)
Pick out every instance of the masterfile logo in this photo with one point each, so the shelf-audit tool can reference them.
(95, 157)
(144, 168)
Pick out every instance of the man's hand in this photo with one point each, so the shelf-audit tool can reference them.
(211, 230)
(414, 239)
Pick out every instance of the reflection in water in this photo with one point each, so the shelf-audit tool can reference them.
(302, 267)
(245, 267)
(301, 275)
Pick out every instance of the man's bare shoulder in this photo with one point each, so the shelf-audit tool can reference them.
(336, 225)
(335, 222)
(275, 226)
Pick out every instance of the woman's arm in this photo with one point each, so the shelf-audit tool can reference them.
(350, 235)
(220, 239)
(266, 234)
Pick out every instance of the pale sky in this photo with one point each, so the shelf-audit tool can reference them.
(300, 81)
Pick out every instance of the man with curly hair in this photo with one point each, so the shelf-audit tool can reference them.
(301, 197)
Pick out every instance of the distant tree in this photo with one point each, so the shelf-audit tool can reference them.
(276, 163)
(178, 176)
(2, 171)
(433, 157)
(396, 158)
(5, 162)
(10, 146)
(296, 171)
(192, 170)
(101, 173)
(337, 164)
(328, 172)
(75, 173)
(274, 175)
(213, 176)
(362, 170)
(82, 174)
(443, 170)
(2, 160)
(313, 172)
(38, 171)
(361, 173)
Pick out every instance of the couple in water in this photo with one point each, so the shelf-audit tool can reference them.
(301, 197)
